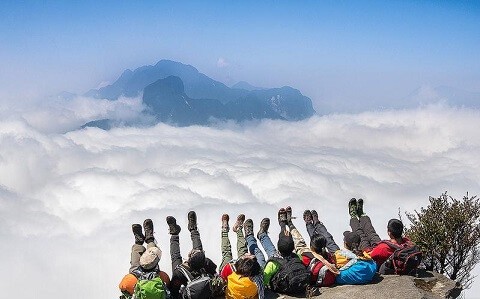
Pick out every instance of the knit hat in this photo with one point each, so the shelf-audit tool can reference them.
(351, 238)
(196, 259)
(285, 245)
(150, 258)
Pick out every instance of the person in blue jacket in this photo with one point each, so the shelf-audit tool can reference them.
(355, 266)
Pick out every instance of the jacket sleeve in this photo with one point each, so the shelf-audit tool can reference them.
(258, 280)
(177, 280)
(270, 269)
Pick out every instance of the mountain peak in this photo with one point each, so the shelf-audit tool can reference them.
(245, 85)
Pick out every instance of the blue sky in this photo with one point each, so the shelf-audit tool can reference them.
(343, 51)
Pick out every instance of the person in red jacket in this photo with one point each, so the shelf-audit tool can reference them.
(370, 242)
(315, 257)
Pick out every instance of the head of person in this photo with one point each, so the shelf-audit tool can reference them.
(318, 244)
(395, 228)
(150, 258)
(247, 266)
(285, 245)
(196, 259)
(352, 242)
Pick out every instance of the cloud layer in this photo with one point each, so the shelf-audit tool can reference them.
(67, 200)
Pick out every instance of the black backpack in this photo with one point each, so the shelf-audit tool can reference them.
(292, 277)
(201, 287)
(405, 259)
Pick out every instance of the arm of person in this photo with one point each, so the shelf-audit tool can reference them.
(270, 269)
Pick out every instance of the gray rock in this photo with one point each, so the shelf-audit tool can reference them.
(428, 285)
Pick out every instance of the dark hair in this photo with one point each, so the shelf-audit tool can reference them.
(196, 259)
(353, 247)
(352, 242)
(395, 227)
(318, 244)
(285, 244)
(247, 267)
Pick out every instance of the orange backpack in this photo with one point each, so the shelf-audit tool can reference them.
(129, 281)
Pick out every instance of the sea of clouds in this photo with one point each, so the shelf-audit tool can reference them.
(68, 197)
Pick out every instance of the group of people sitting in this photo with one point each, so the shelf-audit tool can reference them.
(292, 267)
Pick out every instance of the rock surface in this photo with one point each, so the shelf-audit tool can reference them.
(428, 285)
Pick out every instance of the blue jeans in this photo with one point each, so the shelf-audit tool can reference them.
(253, 249)
(267, 245)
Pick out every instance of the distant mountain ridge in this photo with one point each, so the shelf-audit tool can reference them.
(179, 94)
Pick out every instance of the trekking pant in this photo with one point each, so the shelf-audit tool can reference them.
(253, 248)
(137, 251)
(300, 244)
(175, 254)
(227, 247)
(364, 228)
(320, 229)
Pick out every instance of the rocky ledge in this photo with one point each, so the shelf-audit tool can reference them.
(427, 285)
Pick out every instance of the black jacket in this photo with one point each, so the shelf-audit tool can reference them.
(178, 279)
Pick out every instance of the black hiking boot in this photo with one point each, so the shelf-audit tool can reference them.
(307, 216)
(282, 217)
(352, 208)
(148, 228)
(315, 217)
(248, 227)
(173, 227)
(138, 234)
(360, 208)
(192, 220)
(239, 223)
(225, 227)
(264, 225)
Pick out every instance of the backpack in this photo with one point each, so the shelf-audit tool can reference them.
(150, 288)
(201, 287)
(292, 277)
(405, 259)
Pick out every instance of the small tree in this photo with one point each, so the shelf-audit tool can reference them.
(448, 231)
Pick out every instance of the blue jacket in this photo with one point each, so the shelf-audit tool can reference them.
(361, 272)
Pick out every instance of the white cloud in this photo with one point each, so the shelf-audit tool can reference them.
(67, 200)
(59, 115)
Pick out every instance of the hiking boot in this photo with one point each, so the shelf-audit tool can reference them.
(307, 216)
(288, 210)
(282, 217)
(239, 223)
(138, 234)
(315, 217)
(225, 227)
(148, 228)
(264, 225)
(173, 227)
(352, 208)
(192, 220)
(248, 227)
(360, 208)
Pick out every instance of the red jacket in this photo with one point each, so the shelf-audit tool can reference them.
(321, 276)
(382, 251)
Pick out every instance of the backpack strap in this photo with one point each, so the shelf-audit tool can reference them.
(185, 272)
